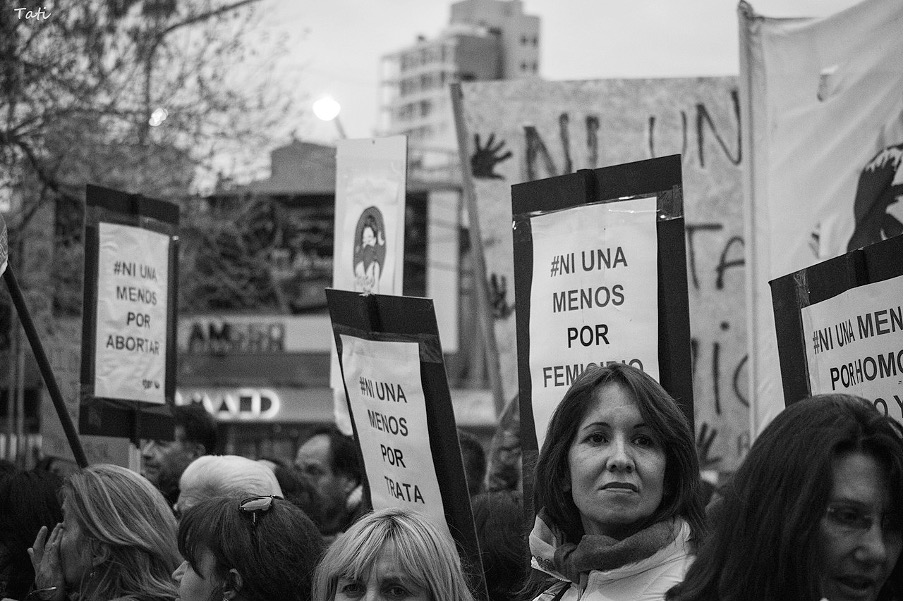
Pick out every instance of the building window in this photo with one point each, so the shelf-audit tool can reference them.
(535, 67)
(425, 108)
(536, 41)
(524, 66)
(524, 40)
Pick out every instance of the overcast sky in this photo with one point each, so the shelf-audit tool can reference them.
(334, 46)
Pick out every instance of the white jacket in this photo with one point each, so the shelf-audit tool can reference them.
(647, 579)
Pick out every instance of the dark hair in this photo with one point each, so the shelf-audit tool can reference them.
(763, 540)
(200, 426)
(29, 500)
(343, 452)
(300, 492)
(276, 556)
(681, 487)
(498, 519)
(475, 461)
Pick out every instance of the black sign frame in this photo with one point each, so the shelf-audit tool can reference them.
(413, 319)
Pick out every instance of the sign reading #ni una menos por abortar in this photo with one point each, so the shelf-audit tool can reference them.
(132, 283)
(854, 344)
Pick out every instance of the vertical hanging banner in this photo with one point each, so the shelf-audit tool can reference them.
(129, 319)
(839, 326)
(369, 240)
(822, 120)
(401, 412)
(600, 277)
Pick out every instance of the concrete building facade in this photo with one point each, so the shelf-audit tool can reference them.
(485, 40)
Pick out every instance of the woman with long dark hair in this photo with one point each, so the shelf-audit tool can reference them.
(814, 511)
(617, 491)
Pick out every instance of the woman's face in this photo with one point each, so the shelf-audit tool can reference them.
(76, 551)
(617, 466)
(859, 542)
(386, 581)
(198, 584)
(368, 238)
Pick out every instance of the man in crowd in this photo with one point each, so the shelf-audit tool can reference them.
(163, 462)
(474, 459)
(329, 460)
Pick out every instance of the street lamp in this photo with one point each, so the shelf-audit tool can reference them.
(327, 109)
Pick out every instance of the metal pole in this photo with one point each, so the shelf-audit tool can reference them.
(484, 308)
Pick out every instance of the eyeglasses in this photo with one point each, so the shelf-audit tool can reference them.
(854, 520)
(257, 504)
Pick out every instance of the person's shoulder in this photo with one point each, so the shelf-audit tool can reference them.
(557, 591)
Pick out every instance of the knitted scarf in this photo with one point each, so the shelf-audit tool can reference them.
(573, 562)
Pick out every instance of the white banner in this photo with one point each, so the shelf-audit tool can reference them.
(383, 380)
(822, 117)
(854, 344)
(593, 296)
(369, 242)
(130, 352)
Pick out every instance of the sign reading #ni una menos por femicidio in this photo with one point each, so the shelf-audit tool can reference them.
(132, 283)
(593, 296)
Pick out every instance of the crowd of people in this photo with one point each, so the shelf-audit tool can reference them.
(813, 512)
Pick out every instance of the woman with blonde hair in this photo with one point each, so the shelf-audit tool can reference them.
(391, 554)
(117, 541)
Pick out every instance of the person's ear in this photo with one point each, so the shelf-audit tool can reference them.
(348, 485)
(100, 552)
(232, 585)
(196, 450)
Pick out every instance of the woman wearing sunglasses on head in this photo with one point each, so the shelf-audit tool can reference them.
(117, 541)
(814, 512)
(257, 548)
(391, 554)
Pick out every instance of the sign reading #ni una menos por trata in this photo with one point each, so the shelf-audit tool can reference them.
(593, 296)
(132, 293)
(854, 344)
(388, 406)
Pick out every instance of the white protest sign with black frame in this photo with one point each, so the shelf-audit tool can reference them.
(398, 398)
(838, 326)
(129, 321)
(600, 277)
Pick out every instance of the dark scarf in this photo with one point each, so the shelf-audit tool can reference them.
(596, 552)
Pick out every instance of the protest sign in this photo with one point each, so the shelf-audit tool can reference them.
(401, 411)
(368, 248)
(839, 325)
(856, 344)
(129, 317)
(626, 301)
(551, 128)
(593, 296)
(599, 255)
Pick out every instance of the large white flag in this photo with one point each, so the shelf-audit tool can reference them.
(822, 117)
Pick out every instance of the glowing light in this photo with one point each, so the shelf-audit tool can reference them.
(158, 116)
(326, 108)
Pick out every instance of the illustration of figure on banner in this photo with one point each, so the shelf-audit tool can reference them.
(877, 206)
(370, 250)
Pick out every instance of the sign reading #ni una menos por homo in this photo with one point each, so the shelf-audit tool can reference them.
(383, 380)
(131, 313)
(854, 344)
(593, 296)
